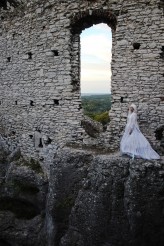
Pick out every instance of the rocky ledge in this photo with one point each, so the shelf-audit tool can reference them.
(106, 200)
(89, 200)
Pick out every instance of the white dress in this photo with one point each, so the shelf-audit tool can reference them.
(135, 144)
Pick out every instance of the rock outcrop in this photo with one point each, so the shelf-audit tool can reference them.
(105, 200)
(92, 199)
(23, 189)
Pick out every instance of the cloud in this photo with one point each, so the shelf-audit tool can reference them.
(96, 47)
(99, 66)
(103, 27)
(94, 87)
(94, 75)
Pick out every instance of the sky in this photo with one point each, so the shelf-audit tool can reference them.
(96, 48)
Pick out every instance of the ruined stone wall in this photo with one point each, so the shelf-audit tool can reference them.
(40, 105)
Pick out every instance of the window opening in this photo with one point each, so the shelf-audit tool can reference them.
(31, 103)
(96, 55)
(9, 59)
(29, 55)
(56, 102)
(136, 46)
(162, 53)
(55, 52)
(40, 143)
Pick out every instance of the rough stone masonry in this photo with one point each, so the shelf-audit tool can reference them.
(40, 103)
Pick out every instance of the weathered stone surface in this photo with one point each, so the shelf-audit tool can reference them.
(106, 200)
(8, 3)
(23, 189)
(91, 127)
(92, 199)
(160, 136)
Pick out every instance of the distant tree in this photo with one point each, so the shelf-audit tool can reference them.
(102, 117)
(96, 103)
(97, 107)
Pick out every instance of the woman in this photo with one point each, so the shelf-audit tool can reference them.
(133, 142)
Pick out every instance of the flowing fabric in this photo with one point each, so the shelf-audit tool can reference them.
(134, 143)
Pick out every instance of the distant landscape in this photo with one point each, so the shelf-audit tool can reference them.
(97, 106)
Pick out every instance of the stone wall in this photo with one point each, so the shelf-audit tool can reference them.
(40, 104)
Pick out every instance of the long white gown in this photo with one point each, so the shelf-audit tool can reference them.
(135, 144)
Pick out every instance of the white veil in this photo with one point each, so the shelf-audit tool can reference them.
(134, 107)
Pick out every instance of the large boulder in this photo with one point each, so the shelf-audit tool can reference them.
(105, 200)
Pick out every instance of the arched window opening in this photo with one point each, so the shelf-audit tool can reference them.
(96, 55)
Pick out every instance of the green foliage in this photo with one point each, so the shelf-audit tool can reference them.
(102, 117)
(97, 107)
(96, 103)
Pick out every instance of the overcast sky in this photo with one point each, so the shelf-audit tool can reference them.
(96, 46)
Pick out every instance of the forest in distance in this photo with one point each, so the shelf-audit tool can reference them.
(97, 106)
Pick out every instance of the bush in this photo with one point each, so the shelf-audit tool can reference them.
(102, 117)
